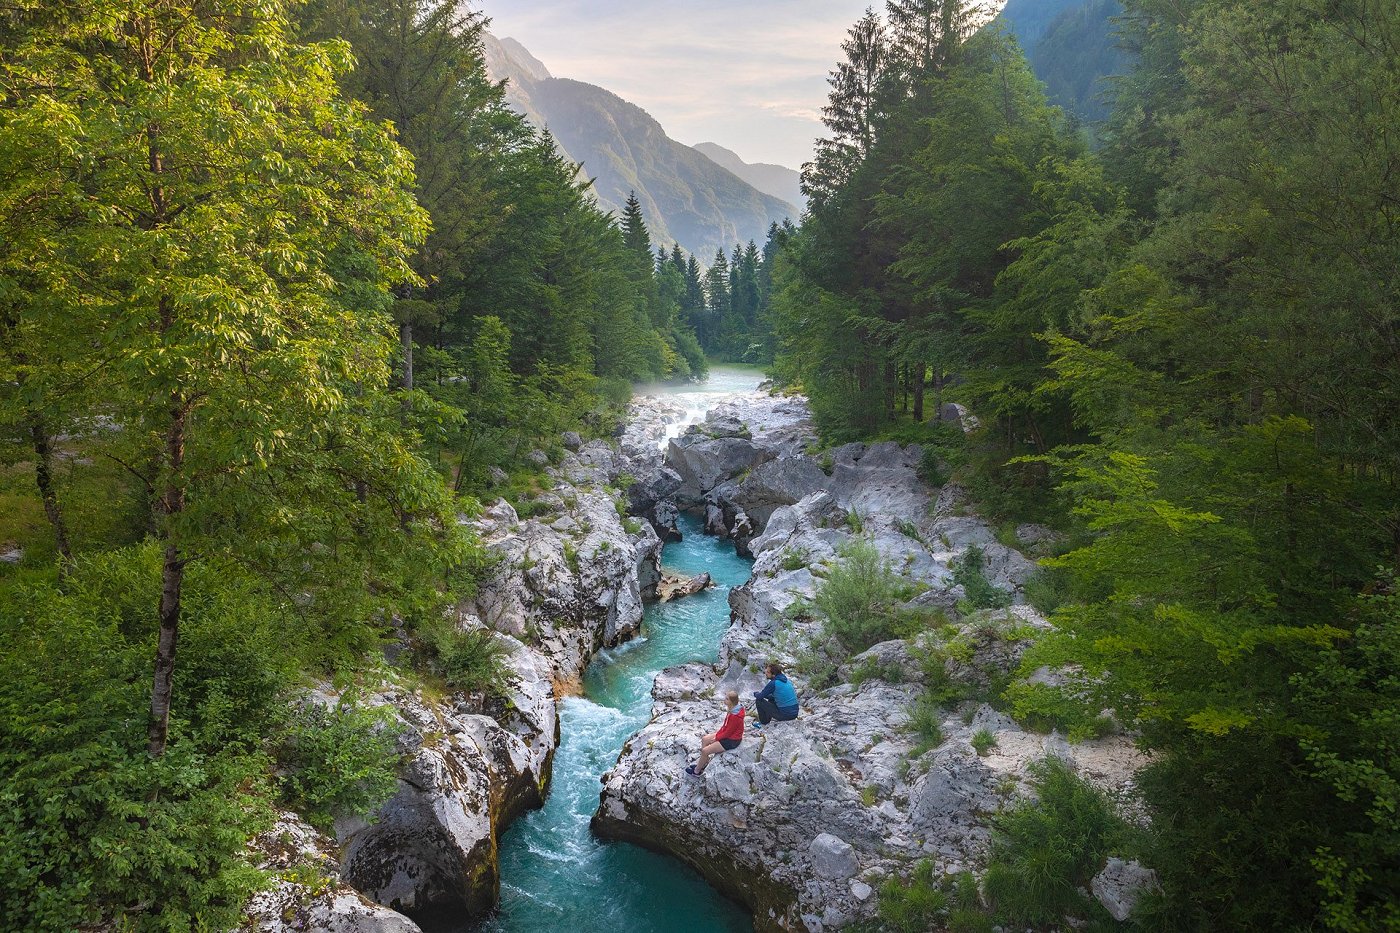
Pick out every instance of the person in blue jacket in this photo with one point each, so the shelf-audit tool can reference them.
(778, 698)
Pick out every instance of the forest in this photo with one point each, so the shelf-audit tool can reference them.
(1182, 347)
(283, 289)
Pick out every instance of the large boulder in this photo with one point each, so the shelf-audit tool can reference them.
(784, 481)
(430, 851)
(704, 462)
(1121, 884)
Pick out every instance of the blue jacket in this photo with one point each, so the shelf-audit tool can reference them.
(780, 691)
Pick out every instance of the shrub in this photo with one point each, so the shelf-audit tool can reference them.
(983, 741)
(914, 906)
(910, 530)
(926, 721)
(1047, 590)
(1041, 708)
(860, 599)
(89, 824)
(980, 593)
(931, 468)
(470, 661)
(1044, 851)
(338, 760)
(794, 560)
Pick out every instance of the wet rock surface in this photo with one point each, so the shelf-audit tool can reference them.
(807, 818)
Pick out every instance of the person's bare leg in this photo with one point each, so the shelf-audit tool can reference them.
(706, 753)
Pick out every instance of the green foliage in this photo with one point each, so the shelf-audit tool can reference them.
(471, 661)
(916, 905)
(923, 903)
(1046, 590)
(91, 827)
(860, 600)
(926, 722)
(793, 560)
(1045, 851)
(979, 591)
(983, 741)
(1043, 708)
(337, 761)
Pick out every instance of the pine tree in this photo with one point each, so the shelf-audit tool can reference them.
(926, 35)
(853, 110)
(635, 235)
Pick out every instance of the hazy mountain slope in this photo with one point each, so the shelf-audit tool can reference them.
(686, 197)
(777, 180)
(1072, 48)
(1029, 19)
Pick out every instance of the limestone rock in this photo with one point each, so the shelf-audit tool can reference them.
(571, 440)
(1120, 885)
(833, 857)
(703, 463)
(676, 587)
(288, 907)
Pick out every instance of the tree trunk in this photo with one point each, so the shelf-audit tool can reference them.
(172, 578)
(43, 476)
(919, 395)
(406, 339)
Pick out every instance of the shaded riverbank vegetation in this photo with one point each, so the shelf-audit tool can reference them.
(1180, 349)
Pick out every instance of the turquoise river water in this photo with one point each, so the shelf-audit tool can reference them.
(555, 875)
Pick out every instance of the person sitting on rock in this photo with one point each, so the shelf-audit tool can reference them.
(778, 698)
(725, 740)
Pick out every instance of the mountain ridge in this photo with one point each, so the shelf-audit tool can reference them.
(778, 180)
(686, 196)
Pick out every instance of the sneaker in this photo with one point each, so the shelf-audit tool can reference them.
(690, 770)
(756, 726)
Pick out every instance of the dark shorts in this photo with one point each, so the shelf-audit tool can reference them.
(730, 744)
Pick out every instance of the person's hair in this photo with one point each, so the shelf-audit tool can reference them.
(732, 696)
(774, 668)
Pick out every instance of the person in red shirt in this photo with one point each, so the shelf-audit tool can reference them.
(725, 740)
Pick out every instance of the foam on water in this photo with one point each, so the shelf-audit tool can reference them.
(555, 876)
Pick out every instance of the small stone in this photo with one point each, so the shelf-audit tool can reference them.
(1121, 885)
(12, 555)
(497, 476)
(861, 891)
(571, 440)
(833, 857)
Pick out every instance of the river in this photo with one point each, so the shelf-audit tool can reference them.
(555, 876)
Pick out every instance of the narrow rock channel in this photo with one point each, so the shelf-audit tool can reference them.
(555, 874)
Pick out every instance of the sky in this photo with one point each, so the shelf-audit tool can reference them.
(747, 74)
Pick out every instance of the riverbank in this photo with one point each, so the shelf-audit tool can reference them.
(571, 577)
(807, 819)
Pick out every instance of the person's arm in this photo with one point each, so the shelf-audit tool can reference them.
(766, 693)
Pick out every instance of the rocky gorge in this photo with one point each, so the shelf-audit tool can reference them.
(807, 818)
(568, 580)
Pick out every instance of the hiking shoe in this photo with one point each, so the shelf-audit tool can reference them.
(690, 770)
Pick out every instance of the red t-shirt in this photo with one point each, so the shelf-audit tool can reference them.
(733, 727)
